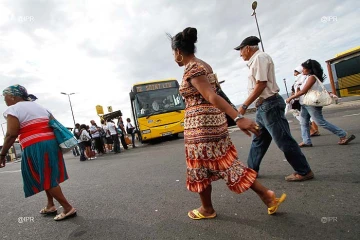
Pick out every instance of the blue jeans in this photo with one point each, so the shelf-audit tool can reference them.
(316, 114)
(270, 116)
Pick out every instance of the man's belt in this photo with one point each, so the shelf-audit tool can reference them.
(261, 100)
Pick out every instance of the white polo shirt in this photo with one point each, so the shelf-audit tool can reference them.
(262, 69)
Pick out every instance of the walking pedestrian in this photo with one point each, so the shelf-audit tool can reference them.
(42, 162)
(270, 112)
(296, 106)
(314, 72)
(210, 154)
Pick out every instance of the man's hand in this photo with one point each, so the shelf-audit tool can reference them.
(248, 126)
(242, 111)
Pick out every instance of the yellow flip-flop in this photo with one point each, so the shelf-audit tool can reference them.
(273, 209)
(199, 216)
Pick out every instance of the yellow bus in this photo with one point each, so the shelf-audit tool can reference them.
(157, 108)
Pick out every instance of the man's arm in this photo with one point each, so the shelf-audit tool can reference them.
(259, 88)
(260, 68)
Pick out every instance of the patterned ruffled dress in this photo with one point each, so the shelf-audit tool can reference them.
(210, 154)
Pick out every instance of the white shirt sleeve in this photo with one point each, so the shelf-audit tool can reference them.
(12, 110)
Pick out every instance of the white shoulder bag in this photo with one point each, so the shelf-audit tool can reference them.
(319, 97)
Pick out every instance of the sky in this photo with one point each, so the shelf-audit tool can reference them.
(98, 49)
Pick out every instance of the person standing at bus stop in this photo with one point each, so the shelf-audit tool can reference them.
(270, 112)
(210, 154)
(111, 127)
(130, 129)
(95, 134)
(120, 125)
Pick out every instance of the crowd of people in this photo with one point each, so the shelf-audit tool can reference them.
(210, 154)
(103, 139)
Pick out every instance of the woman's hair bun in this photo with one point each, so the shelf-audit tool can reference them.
(190, 34)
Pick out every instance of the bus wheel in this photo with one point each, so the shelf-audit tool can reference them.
(176, 135)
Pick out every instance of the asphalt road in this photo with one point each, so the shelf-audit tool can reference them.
(141, 194)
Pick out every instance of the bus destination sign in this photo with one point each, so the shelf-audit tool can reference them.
(155, 86)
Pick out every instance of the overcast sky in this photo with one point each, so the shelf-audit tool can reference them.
(98, 49)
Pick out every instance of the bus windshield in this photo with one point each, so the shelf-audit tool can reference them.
(159, 101)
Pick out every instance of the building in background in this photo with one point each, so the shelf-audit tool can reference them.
(344, 73)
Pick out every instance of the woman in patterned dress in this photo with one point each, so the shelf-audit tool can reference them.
(42, 162)
(210, 154)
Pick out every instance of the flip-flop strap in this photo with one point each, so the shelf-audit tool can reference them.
(197, 213)
(46, 210)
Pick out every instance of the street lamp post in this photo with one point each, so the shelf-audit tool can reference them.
(254, 6)
(68, 94)
(3, 129)
(286, 87)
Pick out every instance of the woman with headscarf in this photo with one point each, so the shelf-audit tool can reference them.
(314, 73)
(209, 152)
(42, 163)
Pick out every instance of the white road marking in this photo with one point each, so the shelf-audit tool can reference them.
(355, 114)
(11, 171)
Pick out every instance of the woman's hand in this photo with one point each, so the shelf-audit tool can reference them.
(288, 100)
(2, 161)
(248, 126)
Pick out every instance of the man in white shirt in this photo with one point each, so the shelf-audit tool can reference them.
(270, 111)
(113, 132)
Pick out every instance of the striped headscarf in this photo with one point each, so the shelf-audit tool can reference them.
(20, 91)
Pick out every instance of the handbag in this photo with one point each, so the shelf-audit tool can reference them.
(127, 140)
(64, 137)
(213, 80)
(319, 97)
(221, 93)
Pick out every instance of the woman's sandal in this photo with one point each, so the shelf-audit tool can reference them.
(273, 209)
(315, 134)
(345, 140)
(196, 215)
(63, 216)
(302, 145)
(47, 211)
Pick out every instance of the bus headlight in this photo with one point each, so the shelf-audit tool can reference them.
(182, 124)
(146, 131)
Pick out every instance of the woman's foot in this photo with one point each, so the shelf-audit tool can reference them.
(269, 198)
(272, 202)
(315, 134)
(302, 145)
(49, 209)
(345, 140)
(202, 213)
(66, 214)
